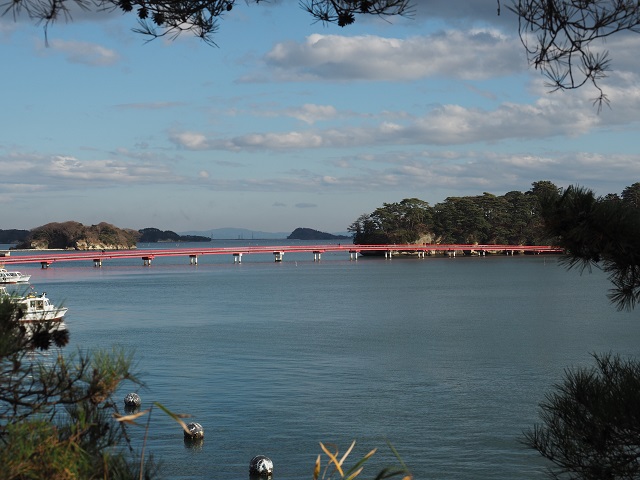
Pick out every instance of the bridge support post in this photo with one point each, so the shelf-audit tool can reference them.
(97, 262)
(353, 255)
(237, 258)
(193, 259)
(316, 256)
(277, 256)
(388, 254)
(147, 261)
(44, 264)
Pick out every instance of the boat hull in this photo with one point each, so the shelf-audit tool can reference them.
(7, 277)
(40, 316)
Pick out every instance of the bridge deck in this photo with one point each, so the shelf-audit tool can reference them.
(48, 257)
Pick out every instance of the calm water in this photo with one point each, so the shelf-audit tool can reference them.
(446, 358)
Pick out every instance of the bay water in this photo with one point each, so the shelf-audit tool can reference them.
(444, 358)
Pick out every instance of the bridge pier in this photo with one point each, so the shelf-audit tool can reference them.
(45, 264)
(277, 256)
(237, 257)
(97, 262)
(193, 259)
(353, 255)
(388, 254)
(147, 261)
(317, 256)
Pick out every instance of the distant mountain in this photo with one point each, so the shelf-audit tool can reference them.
(311, 234)
(230, 233)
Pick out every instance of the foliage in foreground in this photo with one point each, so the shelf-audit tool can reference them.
(56, 413)
(59, 420)
(336, 468)
(590, 426)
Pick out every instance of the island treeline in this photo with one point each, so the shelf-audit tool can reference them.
(514, 218)
(152, 235)
(13, 235)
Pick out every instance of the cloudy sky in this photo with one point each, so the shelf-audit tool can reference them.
(289, 123)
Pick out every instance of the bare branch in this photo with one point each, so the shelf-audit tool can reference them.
(559, 37)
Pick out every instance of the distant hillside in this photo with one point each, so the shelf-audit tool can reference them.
(76, 236)
(13, 236)
(230, 233)
(153, 235)
(311, 234)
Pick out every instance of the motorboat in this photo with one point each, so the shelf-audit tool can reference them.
(35, 308)
(40, 321)
(13, 277)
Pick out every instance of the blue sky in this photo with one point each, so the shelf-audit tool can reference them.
(290, 123)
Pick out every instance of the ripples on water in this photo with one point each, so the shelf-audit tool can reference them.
(446, 358)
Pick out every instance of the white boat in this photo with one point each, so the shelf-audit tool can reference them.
(35, 308)
(13, 277)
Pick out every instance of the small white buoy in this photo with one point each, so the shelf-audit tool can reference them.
(261, 466)
(132, 400)
(195, 431)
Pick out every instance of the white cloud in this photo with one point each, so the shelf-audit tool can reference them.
(310, 113)
(190, 140)
(81, 52)
(551, 116)
(62, 172)
(471, 55)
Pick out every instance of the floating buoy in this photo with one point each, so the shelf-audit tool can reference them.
(195, 431)
(132, 400)
(260, 466)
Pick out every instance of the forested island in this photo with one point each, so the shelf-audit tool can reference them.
(103, 236)
(76, 236)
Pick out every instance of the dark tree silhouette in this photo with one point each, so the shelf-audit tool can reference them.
(159, 18)
(602, 233)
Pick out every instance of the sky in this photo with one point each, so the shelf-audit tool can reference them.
(289, 123)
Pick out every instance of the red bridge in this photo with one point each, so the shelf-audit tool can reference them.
(46, 258)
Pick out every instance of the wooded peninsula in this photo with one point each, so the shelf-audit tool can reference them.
(514, 218)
